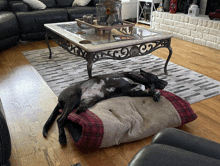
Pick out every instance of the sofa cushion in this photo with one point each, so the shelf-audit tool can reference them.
(79, 11)
(8, 24)
(64, 3)
(80, 2)
(33, 36)
(125, 119)
(33, 21)
(35, 4)
(49, 3)
(19, 6)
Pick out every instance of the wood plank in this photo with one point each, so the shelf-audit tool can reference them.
(28, 102)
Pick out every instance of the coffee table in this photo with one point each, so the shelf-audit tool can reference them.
(115, 44)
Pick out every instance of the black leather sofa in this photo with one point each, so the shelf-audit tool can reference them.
(9, 31)
(19, 21)
(5, 141)
(173, 147)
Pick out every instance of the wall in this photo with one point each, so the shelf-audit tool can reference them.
(200, 30)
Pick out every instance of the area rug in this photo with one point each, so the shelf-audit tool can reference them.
(65, 69)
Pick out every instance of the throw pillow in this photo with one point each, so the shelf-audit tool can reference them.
(125, 119)
(80, 2)
(35, 4)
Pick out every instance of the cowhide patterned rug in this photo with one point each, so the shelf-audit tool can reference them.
(65, 69)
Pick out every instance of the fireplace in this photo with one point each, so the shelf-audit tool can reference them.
(212, 5)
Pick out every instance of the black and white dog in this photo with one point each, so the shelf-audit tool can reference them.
(86, 94)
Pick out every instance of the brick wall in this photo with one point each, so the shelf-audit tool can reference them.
(200, 30)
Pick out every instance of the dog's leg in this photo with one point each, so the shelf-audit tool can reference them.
(140, 93)
(68, 108)
(87, 103)
(150, 77)
(51, 119)
(82, 107)
(137, 78)
(159, 84)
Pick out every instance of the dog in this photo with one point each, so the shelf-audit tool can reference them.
(87, 93)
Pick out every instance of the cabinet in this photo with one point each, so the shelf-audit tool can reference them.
(141, 4)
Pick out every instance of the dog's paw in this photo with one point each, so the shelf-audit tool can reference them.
(81, 109)
(62, 141)
(156, 96)
(45, 131)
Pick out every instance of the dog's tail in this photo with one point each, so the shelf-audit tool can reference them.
(51, 119)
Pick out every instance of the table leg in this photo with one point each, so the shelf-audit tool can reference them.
(170, 54)
(89, 63)
(46, 38)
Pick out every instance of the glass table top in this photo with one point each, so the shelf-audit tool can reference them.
(86, 33)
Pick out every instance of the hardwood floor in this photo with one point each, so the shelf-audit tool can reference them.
(28, 102)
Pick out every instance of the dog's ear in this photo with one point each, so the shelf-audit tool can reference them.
(161, 84)
(137, 78)
(150, 77)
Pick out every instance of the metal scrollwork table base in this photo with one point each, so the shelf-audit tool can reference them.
(116, 53)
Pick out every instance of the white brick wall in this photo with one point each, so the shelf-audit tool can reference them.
(190, 26)
(199, 41)
(196, 34)
(218, 40)
(185, 31)
(200, 30)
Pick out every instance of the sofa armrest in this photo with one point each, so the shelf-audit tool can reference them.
(19, 6)
(183, 140)
(165, 155)
(3, 5)
(5, 141)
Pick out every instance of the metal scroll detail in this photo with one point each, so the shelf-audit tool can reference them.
(131, 51)
(115, 54)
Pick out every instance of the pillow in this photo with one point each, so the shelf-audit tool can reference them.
(80, 2)
(125, 119)
(35, 4)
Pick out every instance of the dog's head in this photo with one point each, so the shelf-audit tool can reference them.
(153, 79)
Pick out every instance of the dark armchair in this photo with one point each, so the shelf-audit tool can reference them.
(9, 31)
(5, 141)
(173, 147)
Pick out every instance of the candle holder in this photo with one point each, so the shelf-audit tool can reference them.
(88, 18)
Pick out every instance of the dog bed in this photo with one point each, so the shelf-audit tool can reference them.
(125, 119)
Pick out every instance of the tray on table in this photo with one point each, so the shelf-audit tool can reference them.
(102, 28)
